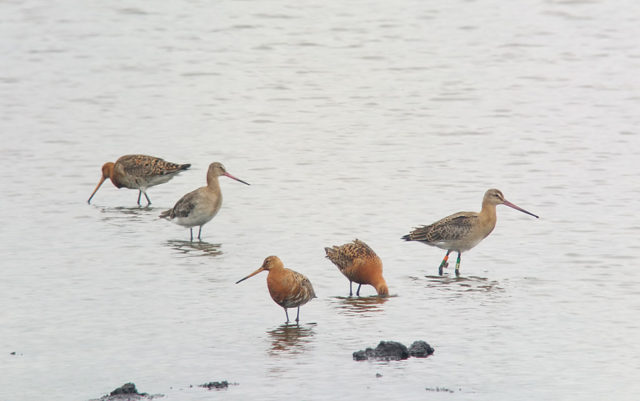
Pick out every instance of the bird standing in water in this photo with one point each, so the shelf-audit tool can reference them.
(359, 263)
(139, 172)
(462, 231)
(200, 206)
(288, 288)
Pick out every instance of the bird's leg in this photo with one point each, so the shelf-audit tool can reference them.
(350, 288)
(287, 315)
(298, 315)
(444, 263)
(358, 291)
(458, 265)
(191, 231)
(146, 196)
(139, 195)
(199, 232)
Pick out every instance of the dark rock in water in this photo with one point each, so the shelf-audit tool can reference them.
(439, 389)
(127, 388)
(216, 385)
(127, 392)
(394, 351)
(363, 355)
(420, 349)
(386, 350)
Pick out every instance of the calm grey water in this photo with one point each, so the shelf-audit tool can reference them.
(349, 120)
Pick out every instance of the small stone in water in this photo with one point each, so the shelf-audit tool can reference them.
(420, 349)
(216, 385)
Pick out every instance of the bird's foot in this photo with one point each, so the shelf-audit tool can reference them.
(441, 267)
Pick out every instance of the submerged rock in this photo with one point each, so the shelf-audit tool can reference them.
(127, 388)
(420, 349)
(216, 385)
(439, 389)
(127, 392)
(386, 350)
(394, 351)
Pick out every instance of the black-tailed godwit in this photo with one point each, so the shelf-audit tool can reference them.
(288, 288)
(198, 207)
(360, 264)
(462, 231)
(139, 172)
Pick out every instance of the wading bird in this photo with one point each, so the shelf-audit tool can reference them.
(360, 264)
(462, 231)
(288, 288)
(200, 206)
(139, 172)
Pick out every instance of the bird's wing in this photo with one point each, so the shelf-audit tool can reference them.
(450, 228)
(344, 255)
(301, 290)
(144, 166)
(185, 205)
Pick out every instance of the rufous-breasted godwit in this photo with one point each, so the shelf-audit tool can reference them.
(288, 288)
(462, 231)
(139, 172)
(359, 263)
(198, 207)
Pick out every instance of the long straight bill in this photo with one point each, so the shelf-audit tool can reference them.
(251, 275)
(507, 203)
(236, 178)
(98, 187)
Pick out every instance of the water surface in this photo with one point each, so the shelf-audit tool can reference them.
(349, 120)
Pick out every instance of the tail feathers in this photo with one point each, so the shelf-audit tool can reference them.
(337, 256)
(418, 234)
(166, 214)
(330, 252)
(173, 168)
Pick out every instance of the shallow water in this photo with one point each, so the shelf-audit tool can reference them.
(359, 120)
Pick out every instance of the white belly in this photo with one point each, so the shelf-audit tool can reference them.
(197, 217)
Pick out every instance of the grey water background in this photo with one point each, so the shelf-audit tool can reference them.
(350, 120)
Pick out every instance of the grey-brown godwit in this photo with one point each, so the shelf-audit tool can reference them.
(462, 231)
(359, 263)
(288, 288)
(139, 172)
(198, 207)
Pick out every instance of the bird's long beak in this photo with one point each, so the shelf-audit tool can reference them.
(96, 190)
(251, 275)
(235, 178)
(507, 203)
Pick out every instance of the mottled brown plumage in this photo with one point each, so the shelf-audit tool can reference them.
(287, 288)
(198, 207)
(462, 231)
(139, 172)
(360, 264)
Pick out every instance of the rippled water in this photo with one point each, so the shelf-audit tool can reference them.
(358, 119)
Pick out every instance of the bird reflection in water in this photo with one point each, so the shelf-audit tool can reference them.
(361, 306)
(462, 284)
(124, 214)
(201, 248)
(291, 338)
